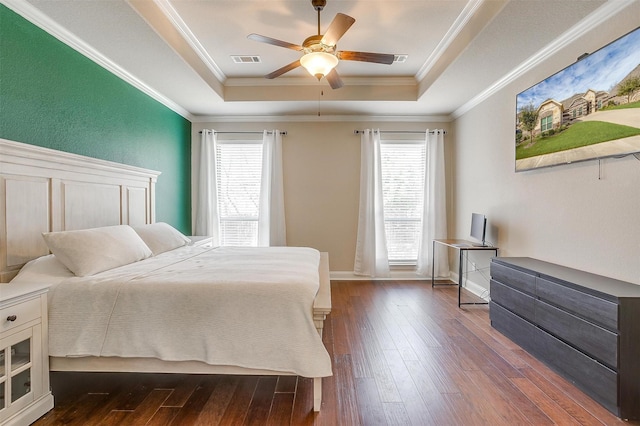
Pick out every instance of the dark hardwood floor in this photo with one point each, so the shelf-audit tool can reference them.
(403, 354)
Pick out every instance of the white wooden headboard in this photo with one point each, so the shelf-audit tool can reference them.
(43, 190)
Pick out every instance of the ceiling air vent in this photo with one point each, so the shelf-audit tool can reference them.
(246, 59)
(399, 59)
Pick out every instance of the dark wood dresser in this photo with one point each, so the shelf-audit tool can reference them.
(584, 326)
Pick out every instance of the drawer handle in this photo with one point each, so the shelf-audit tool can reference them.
(12, 318)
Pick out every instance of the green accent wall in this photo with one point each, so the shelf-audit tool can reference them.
(54, 97)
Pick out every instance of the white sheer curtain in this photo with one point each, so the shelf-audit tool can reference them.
(434, 213)
(207, 221)
(371, 246)
(271, 222)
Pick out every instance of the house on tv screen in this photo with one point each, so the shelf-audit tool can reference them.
(554, 116)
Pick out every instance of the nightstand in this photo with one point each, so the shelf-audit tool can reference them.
(25, 395)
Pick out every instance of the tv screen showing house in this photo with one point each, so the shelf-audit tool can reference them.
(589, 110)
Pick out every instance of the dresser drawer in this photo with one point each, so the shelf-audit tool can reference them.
(515, 278)
(596, 380)
(593, 378)
(584, 305)
(515, 328)
(514, 300)
(584, 335)
(23, 312)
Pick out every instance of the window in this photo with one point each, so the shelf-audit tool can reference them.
(403, 167)
(238, 174)
(546, 123)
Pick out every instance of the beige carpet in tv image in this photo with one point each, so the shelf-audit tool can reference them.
(627, 117)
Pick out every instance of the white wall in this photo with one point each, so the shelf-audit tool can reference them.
(322, 179)
(574, 215)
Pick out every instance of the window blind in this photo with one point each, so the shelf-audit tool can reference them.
(238, 170)
(403, 169)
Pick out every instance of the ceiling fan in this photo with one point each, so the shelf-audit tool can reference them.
(320, 55)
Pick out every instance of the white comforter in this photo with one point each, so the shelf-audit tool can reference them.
(247, 307)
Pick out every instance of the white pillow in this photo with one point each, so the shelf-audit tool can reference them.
(161, 237)
(89, 251)
(45, 269)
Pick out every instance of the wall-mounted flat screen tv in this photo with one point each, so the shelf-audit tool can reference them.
(589, 110)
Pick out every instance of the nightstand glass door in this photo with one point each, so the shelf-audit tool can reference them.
(3, 378)
(16, 370)
(20, 369)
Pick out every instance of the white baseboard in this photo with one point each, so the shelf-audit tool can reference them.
(475, 288)
(395, 275)
(469, 284)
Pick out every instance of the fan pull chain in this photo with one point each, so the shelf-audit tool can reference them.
(321, 94)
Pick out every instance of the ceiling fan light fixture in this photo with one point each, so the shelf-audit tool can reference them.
(319, 64)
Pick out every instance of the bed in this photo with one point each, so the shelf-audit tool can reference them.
(147, 315)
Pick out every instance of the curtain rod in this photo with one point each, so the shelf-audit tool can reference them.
(283, 133)
(357, 132)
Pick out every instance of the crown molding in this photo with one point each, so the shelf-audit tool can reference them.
(177, 21)
(461, 21)
(321, 118)
(310, 81)
(596, 18)
(37, 18)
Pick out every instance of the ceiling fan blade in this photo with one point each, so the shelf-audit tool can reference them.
(340, 24)
(378, 58)
(273, 41)
(334, 79)
(285, 69)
